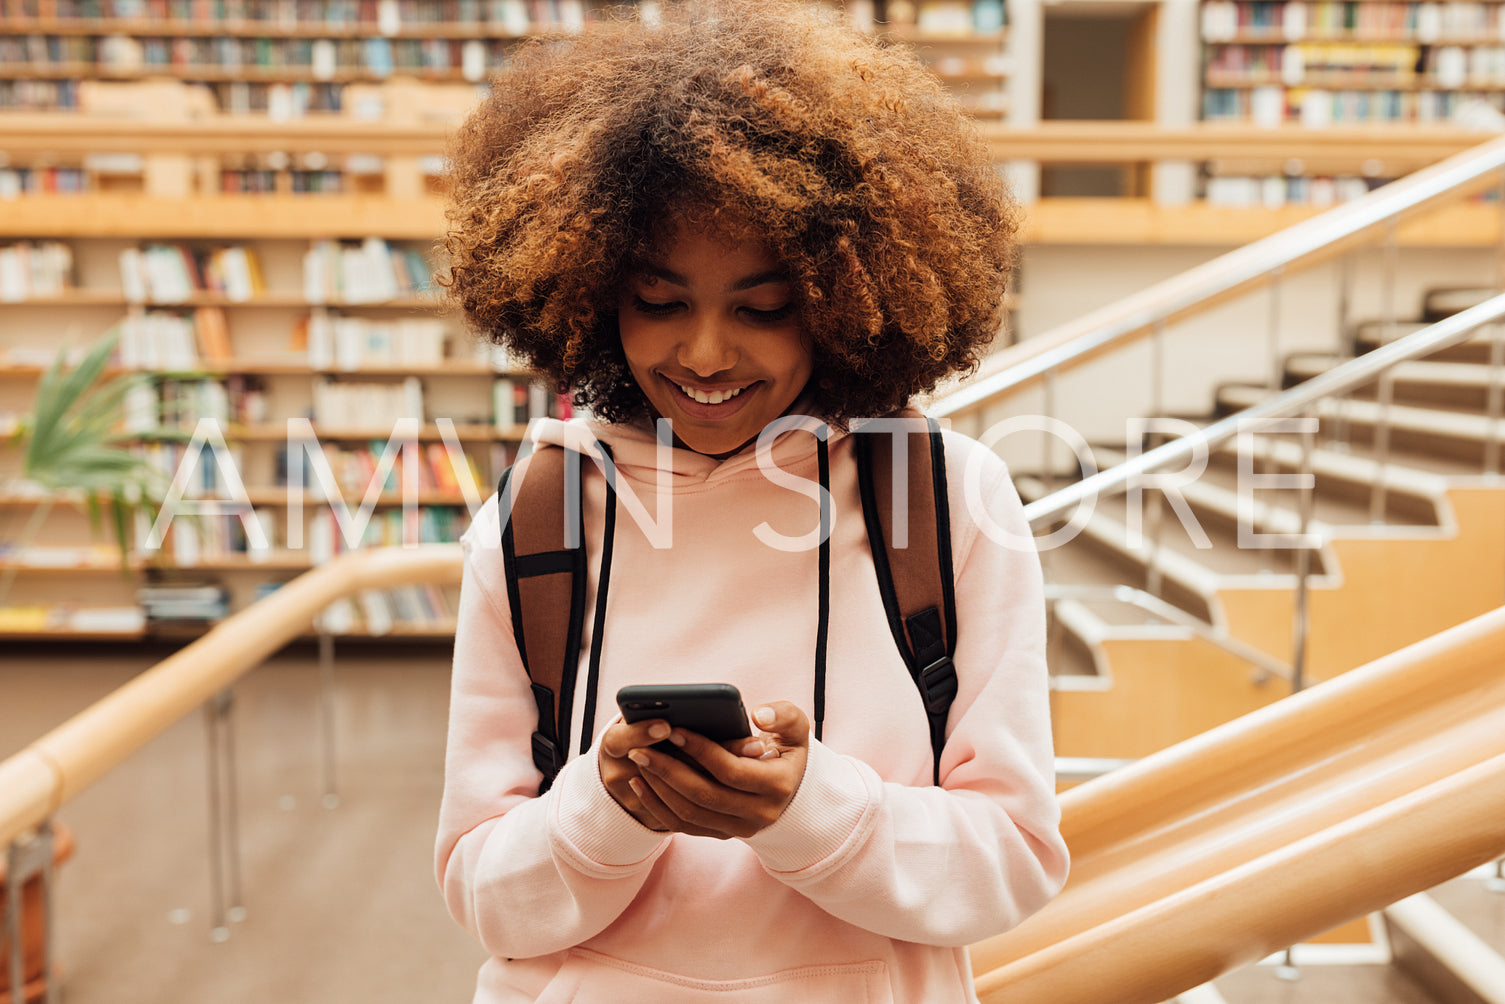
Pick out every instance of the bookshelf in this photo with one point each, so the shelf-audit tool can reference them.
(304, 353)
(1335, 65)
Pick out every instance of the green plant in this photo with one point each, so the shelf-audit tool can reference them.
(75, 450)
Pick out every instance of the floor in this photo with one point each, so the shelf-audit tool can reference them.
(341, 905)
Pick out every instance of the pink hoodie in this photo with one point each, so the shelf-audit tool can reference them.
(873, 882)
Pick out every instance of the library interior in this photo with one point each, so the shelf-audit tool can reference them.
(1250, 389)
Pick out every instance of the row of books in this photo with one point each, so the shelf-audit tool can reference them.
(190, 602)
(38, 95)
(172, 341)
(264, 182)
(357, 343)
(938, 17)
(173, 273)
(369, 271)
(1226, 20)
(1274, 191)
(1292, 62)
(325, 533)
(206, 479)
(354, 469)
(1270, 106)
(18, 181)
(320, 59)
(179, 404)
(360, 404)
(385, 16)
(379, 612)
(1440, 66)
(31, 269)
(38, 618)
(517, 402)
(279, 101)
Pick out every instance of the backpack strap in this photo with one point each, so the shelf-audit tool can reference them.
(545, 577)
(915, 581)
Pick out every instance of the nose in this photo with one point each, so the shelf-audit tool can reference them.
(707, 348)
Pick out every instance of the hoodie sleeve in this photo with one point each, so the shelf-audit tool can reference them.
(954, 864)
(525, 874)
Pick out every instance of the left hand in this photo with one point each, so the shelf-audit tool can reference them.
(742, 794)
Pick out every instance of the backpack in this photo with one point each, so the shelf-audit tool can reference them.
(545, 564)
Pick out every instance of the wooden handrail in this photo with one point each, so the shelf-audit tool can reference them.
(1192, 862)
(35, 782)
(1271, 829)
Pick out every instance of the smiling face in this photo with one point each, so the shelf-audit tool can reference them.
(712, 336)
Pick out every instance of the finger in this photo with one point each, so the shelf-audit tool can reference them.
(625, 736)
(743, 772)
(784, 721)
(651, 811)
(692, 817)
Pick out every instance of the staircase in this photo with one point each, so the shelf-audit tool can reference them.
(1409, 526)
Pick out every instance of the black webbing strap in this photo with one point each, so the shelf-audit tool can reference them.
(546, 575)
(915, 581)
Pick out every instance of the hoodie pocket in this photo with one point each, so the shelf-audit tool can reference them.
(592, 978)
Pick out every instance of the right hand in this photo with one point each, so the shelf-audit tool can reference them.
(618, 772)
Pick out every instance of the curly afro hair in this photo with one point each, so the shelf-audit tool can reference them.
(844, 156)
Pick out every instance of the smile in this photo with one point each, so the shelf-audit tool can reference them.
(711, 397)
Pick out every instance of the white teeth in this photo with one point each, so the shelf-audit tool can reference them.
(714, 397)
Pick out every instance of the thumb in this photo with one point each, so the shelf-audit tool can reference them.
(784, 720)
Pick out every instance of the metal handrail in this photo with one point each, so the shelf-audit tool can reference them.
(1335, 382)
(1199, 288)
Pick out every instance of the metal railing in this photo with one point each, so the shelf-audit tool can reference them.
(1263, 262)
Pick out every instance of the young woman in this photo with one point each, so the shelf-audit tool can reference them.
(743, 214)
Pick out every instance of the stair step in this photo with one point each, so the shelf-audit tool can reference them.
(1440, 952)
(1216, 508)
(1101, 551)
(1449, 300)
(1370, 335)
(1331, 984)
(1344, 482)
(1414, 430)
(1449, 385)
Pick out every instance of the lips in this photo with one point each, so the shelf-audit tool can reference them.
(710, 401)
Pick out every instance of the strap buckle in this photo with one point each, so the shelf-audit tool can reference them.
(938, 685)
(546, 755)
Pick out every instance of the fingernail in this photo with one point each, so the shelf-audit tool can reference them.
(658, 730)
(764, 717)
(638, 757)
(676, 738)
(637, 786)
(754, 748)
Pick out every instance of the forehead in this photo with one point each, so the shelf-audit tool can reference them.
(707, 249)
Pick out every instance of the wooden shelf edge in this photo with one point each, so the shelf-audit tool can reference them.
(1139, 222)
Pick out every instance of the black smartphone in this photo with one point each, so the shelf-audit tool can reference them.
(713, 710)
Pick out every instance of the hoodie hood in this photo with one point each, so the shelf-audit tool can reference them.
(639, 453)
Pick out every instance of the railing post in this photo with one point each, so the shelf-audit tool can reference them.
(1272, 334)
(1495, 398)
(1301, 628)
(224, 823)
(327, 751)
(1348, 347)
(1047, 441)
(28, 859)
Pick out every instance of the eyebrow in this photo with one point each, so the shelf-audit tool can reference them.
(748, 282)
